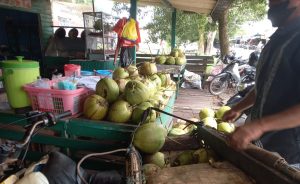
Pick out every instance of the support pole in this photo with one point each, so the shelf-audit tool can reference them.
(133, 12)
(173, 30)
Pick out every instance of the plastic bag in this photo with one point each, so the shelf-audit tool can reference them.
(191, 80)
(129, 30)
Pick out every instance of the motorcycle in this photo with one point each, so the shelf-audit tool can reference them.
(237, 73)
(229, 76)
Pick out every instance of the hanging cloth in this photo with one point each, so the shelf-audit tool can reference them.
(129, 31)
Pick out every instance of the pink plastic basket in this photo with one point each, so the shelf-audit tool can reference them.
(57, 101)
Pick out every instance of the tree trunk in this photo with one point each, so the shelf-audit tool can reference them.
(210, 42)
(223, 33)
(201, 43)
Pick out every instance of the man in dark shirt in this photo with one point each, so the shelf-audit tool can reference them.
(275, 101)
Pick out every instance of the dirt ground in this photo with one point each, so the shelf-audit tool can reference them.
(190, 101)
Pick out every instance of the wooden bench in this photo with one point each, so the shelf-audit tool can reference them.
(199, 64)
(196, 64)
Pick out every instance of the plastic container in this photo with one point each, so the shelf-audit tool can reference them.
(87, 73)
(104, 73)
(42, 83)
(17, 73)
(72, 70)
(55, 100)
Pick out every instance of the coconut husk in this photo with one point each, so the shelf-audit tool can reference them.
(224, 173)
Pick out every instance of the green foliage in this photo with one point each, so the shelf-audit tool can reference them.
(120, 8)
(188, 25)
(245, 10)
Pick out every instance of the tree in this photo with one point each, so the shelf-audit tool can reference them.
(190, 27)
(239, 12)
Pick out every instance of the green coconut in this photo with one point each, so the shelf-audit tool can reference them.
(206, 112)
(180, 61)
(201, 155)
(138, 113)
(175, 52)
(149, 138)
(181, 53)
(170, 60)
(122, 83)
(120, 112)
(221, 111)
(120, 73)
(177, 132)
(160, 59)
(163, 79)
(156, 158)
(150, 85)
(226, 127)
(163, 129)
(184, 158)
(148, 68)
(204, 155)
(136, 92)
(108, 89)
(95, 107)
(133, 71)
(157, 81)
(210, 122)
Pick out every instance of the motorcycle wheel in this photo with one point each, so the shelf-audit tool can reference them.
(218, 85)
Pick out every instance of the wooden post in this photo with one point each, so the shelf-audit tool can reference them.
(133, 12)
(173, 31)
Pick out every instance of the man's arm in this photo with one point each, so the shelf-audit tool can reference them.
(236, 110)
(289, 118)
(243, 135)
(247, 102)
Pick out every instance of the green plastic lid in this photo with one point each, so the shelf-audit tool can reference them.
(20, 63)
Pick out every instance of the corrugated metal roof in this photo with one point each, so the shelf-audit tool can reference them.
(208, 7)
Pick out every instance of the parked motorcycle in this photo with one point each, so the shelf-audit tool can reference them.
(229, 76)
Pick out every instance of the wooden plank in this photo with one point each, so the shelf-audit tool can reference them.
(198, 3)
(253, 167)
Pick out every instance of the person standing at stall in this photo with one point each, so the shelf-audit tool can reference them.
(128, 37)
(275, 118)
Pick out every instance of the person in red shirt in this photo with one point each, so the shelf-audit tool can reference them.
(124, 44)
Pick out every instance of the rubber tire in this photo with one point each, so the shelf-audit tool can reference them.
(221, 90)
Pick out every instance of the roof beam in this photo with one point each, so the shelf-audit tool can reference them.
(167, 4)
(220, 6)
(194, 9)
(209, 5)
